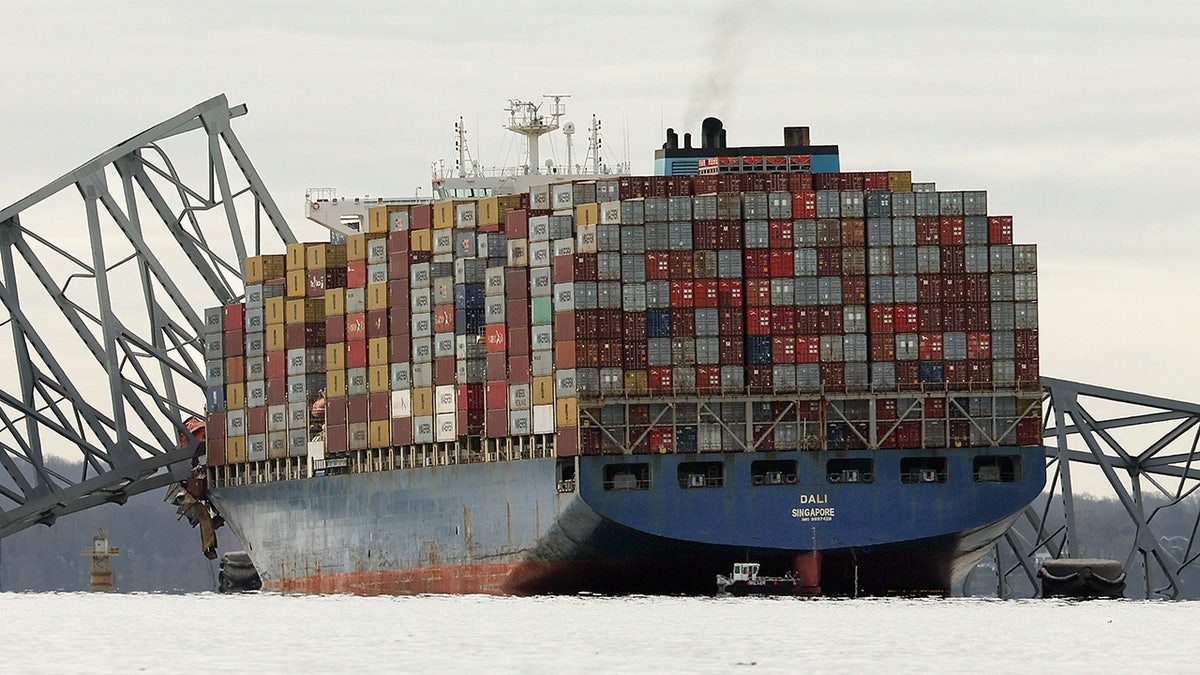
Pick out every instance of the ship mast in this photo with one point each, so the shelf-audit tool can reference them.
(526, 119)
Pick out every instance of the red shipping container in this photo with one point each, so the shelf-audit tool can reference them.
(356, 274)
(730, 321)
(854, 290)
(956, 372)
(707, 293)
(587, 353)
(497, 365)
(954, 259)
(756, 263)
(708, 379)
(609, 353)
(1026, 344)
(495, 423)
(758, 292)
(401, 431)
(929, 288)
(233, 317)
(833, 375)
(760, 379)
(825, 181)
(935, 408)
(277, 391)
(682, 264)
(377, 323)
(808, 349)
(517, 313)
(683, 294)
(954, 288)
(808, 321)
(729, 236)
(953, 231)
(683, 322)
(496, 395)
(831, 320)
(905, 318)
(660, 381)
(215, 449)
(954, 316)
(300, 335)
(379, 406)
(319, 280)
(398, 267)
(356, 354)
(235, 342)
(886, 409)
(469, 397)
(420, 216)
(929, 231)
(356, 326)
(516, 223)
(445, 371)
(908, 375)
(496, 337)
(1029, 432)
(733, 351)
(634, 356)
(1027, 373)
(854, 232)
(782, 263)
(443, 318)
(883, 347)
(235, 369)
(757, 321)
(516, 284)
(1000, 230)
(276, 365)
(783, 349)
(929, 346)
(335, 411)
(399, 294)
(566, 325)
(979, 316)
(398, 242)
(829, 261)
(609, 323)
(565, 354)
(783, 321)
(850, 180)
(730, 293)
(977, 288)
(979, 372)
(800, 180)
(875, 180)
(804, 204)
(518, 341)
(706, 235)
(400, 348)
(780, 234)
(658, 265)
(703, 185)
(908, 435)
(256, 420)
(883, 318)
(634, 325)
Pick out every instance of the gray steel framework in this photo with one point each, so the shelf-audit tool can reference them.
(100, 297)
(1145, 450)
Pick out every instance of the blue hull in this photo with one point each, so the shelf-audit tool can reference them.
(524, 527)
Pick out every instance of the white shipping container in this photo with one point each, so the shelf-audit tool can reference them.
(443, 396)
(518, 253)
(562, 196)
(541, 282)
(494, 281)
(256, 447)
(402, 404)
(256, 393)
(539, 197)
(610, 213)
(543, 419)
(235, 422)
(447, 427)
(585, 239)
(464, 215)
(518, 423)
(541, 337)
(423, 429)
(518, 396)
(539, 229)
(539, 254)
(443, 241)
(562, 247)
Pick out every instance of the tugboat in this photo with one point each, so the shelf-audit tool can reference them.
(745, 581)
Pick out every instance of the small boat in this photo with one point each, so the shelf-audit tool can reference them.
(745, 580)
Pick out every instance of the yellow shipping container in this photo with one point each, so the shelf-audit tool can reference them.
(356, 246)
(259, 268)
(308, 310)
(235, 396)
(335, 356)
(566, 412)
(421, 240)
(297, 283)
(276, 334)
(377, 352)
(587, 214)
(379, 379)
(235, 450)
(325, 256)
(377, 219)
(295, 256)
(335, 301)
(335, 383)
(489, 211)
(377, 296)
(900, 181)
(381, 434)
(637, 383)
(443, 214)
(422, 401)
(543, 390)
(274, 310)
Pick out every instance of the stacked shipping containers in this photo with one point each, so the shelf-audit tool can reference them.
(778, 310)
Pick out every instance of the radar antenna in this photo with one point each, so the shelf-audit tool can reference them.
(525, 118)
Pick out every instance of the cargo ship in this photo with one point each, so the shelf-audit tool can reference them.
(627, 384)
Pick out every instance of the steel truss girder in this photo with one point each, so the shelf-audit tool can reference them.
(103, 309)
(1162, 461)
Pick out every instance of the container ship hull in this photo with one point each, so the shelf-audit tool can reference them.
(522, 528)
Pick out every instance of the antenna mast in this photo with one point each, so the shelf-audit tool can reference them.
(525, 118)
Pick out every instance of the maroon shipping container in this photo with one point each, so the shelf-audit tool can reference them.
(908, 375)
(953, 231)
(732, 351)
(234, 317)
(496, 395)
(300, 335)
(833, 375)
(978, 288)
(808, 349)
(358, 408)
(256, 420)
(517, 314)
(760, 379)
(825, 181)
(377, 323)
(854, 232)
(335, 329)
(729, 234)
(730, 293)
(979, 316)
(215, 427)
(421, 216)
(757, 263)
(783, 349)
(883, 346)
(708, 379)
(780, 234)
(758, 321)
(276, 365)
(497, 366)
(683, 322)
(335, 410)
(706, 235)
(850, 180)
(703, 185)
(758, 292)
(1000, 230)
(356, 326)
(883, 318)
(1025, 344)
(782, 263)
(929, 346)
(830, 320)
(379, 406)
(783, 320)
(804, 203)
(954, 316)
(356, 354)
(400, 348)
(875, 180)
(730, 321)
(635, 355)
(929, 231)
(443, 318)
(337, 440)
(658, 265)
(854, 290)
(906, 318)
(277, 391)
(398, 242)
(587, 353)
(634, 325)
(681, 264)
(518, 370)
(979, 345)
(683, 293)
(660, 379)
(215, 451)
(235, 343)
(929, 288)
(808, 321)
(829, 261)
(956, 373)
(402, 431)
(516, 284)
(800, 180)
(608, 353)
(609, 323)
(954, 288)
(707, 293)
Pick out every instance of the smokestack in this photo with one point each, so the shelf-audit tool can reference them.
(795, 137)
(710, 133)
(672, 140)
(687, 140)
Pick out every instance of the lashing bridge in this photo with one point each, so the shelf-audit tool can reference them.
(103, 269)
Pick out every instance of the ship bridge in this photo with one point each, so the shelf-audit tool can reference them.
(102, 272)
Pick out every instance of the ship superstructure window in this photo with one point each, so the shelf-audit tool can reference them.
(923, 470)
(773, 472)
(566, 475)
(626, 476)
(701, 474)
(850, 470)
(997, 469)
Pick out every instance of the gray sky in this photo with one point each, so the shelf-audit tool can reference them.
(1077, 117)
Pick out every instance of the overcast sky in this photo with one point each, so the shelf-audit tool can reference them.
(1079, 118)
